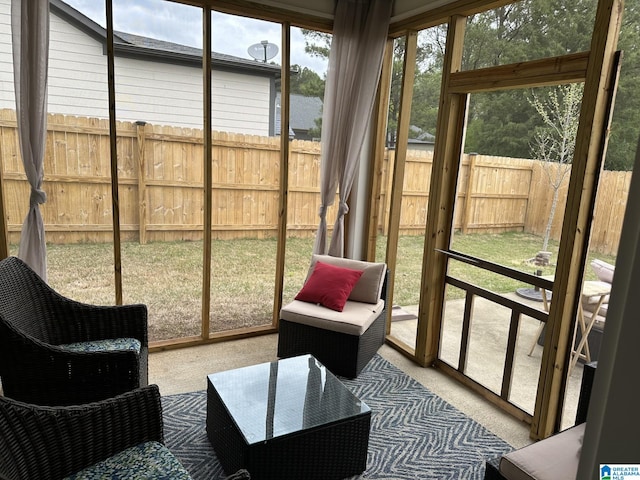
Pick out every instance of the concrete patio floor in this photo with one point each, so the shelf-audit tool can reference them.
(486, 354)
(185, 370)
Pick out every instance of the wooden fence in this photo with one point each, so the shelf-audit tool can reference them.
(160, 176)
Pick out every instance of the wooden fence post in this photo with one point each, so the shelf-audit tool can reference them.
(468, 193)
(4, 230)
(386, 209)
(142, 188)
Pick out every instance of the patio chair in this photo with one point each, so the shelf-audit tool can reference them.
(604, 271)
(590, 305)
(56, 351)
(342, 339)
(121, 435)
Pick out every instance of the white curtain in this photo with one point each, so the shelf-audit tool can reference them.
(359, 35)
(30, 32)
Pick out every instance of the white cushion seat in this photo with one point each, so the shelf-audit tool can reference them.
(550, 459)
(604, 271)
(355, 319)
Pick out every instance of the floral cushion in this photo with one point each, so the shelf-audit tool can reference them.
(104, 345)
(148, 461)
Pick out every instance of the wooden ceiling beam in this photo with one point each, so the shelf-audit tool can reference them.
(269, 13)
(442, 14)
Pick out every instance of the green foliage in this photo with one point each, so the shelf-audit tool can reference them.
(317, 44)
(307, 82)
(504, 123)
(426, 95)
(316, 131)
(395, 90)
(497, 36)
(559, 27)
(625, 127)
(559, 110)
(500, 123)
(554, 27)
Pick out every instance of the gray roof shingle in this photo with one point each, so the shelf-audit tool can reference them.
(303, 112)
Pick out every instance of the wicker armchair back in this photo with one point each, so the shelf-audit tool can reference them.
(35, 321)
(54, 442)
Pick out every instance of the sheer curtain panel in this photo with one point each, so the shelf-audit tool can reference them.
(30, 37)
(357, 47)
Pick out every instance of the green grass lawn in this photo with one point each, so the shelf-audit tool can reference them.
(513, 250)
(167, 277)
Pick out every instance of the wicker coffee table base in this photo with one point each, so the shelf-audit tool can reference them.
(332, 451)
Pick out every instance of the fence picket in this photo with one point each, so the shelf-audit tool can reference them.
(161, 175)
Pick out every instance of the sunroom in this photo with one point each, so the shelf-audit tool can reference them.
(212, 224)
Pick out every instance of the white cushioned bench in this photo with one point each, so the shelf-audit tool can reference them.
(555, 457)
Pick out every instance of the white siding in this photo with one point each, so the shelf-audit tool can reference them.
(77, 73)
(7, 96)
(155, 92)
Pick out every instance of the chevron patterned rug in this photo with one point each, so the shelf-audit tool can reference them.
(414, 433)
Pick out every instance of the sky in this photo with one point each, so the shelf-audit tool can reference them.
(165, 20)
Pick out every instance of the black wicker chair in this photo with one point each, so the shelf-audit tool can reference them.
(310, 329)
(35, 321)
(54, 442)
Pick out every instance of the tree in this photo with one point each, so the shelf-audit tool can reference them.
(504, 122)
(317, 44)
(316, 131)
(625, 126)
(501, 123)
(498, 36)
(554, 142)
(307, 82)
(555, 27)
(426, 95)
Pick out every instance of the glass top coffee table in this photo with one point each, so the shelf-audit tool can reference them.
(289, 419)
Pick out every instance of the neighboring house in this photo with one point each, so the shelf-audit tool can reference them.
(420, 140)
(303, 113)
(156, 81)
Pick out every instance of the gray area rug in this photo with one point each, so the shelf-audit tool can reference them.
(414, 433)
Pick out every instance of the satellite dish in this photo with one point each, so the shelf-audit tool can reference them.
(263, 51)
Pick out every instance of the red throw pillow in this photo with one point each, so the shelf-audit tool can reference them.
(329, 286)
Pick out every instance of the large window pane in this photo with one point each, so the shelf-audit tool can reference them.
(78, 214)
(528, 30)
(159, 105)
(417, 175)
(306, 99)
(245, 171)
